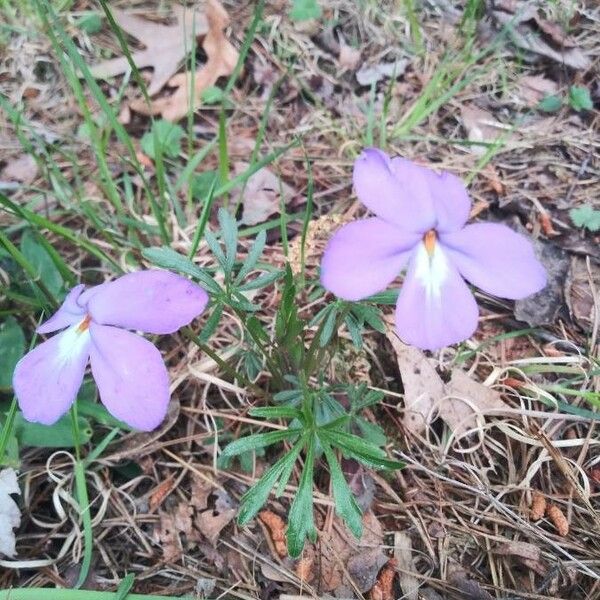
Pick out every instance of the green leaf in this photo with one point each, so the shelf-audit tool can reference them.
(345, 503)
(59, 435)
(356, 447)
(328, 326)
(41, 261)
(354, 329)
(202, 183)
(167, 134)
(258, 440)
(212, 95)
(586, 216)
(257, 495)
(167, 258)
(211, 324)
(371, 431)
(288, 396)
(261, 281)
(253, 255)
(301, 519)
(90, 23)
(303, 10)
(550, 103)
(580, 98)
(229, 233)
(275, 412)
(12, 348)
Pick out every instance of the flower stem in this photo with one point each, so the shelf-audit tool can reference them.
(83, 501)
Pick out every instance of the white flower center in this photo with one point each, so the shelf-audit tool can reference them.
(431, 266)
(74, 340)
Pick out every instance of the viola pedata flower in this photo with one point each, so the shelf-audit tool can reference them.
(129, 371)
(421, 224)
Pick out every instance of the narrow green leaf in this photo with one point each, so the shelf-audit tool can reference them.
(253, 256)
(211, 324)
(328, 326)
(258, 440)
(167, 258)
(41, 261)
(261, 281)
(301, 519)
(229, 234)
(257, 495)
(12, 348)
(345, 503)
(275, 412)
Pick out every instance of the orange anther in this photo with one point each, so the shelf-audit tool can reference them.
(429, 240)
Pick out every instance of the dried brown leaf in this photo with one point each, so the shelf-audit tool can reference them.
(338, 546)
(349, 57)
(166, 45)
(423, 387)
(520, 549)
(221, 59)
(458, 402)
(384, 586)
(276, 526)
(532, 88)
(525, 28)
(465, 398)
(404, 561)
(262, 195)
(212, 521)
(480, 126)
(23, 169)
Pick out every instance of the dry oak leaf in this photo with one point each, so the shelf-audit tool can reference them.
(532, 88)
(166, 45)
(337, 547)
(262, 196)
(221, 59)
(529, 31)
(480, 126)
(457, 402)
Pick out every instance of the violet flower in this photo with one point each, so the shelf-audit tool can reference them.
(420, 224)
(129, 371)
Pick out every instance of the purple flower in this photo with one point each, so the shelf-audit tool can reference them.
(420, 224)
(129, 371)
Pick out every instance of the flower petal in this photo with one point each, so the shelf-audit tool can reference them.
(451, 201)
(152, 301)
(46, 380)
(364, 257)
(69, 313)
(395, 190)
(496, 259)
(435, 307)
(131, 377)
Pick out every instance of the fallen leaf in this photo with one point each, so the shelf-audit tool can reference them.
(480, 126)
(276, 526)
(23, 169)
(262, 196)
(363, 568)
(404, 561)
(520, 549)
(171, 524)
(212, 521)
(349, 57)
(532, 88)
(166, 45)
(338, 546)
(384, 586)
(423, 387)
(578, 291)
(10, 515)
(221, 59)
(529, 31)
(160, 492)
(469, 587)
(462, 394)
(371, 74)
(543, 307)
(457, 402)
